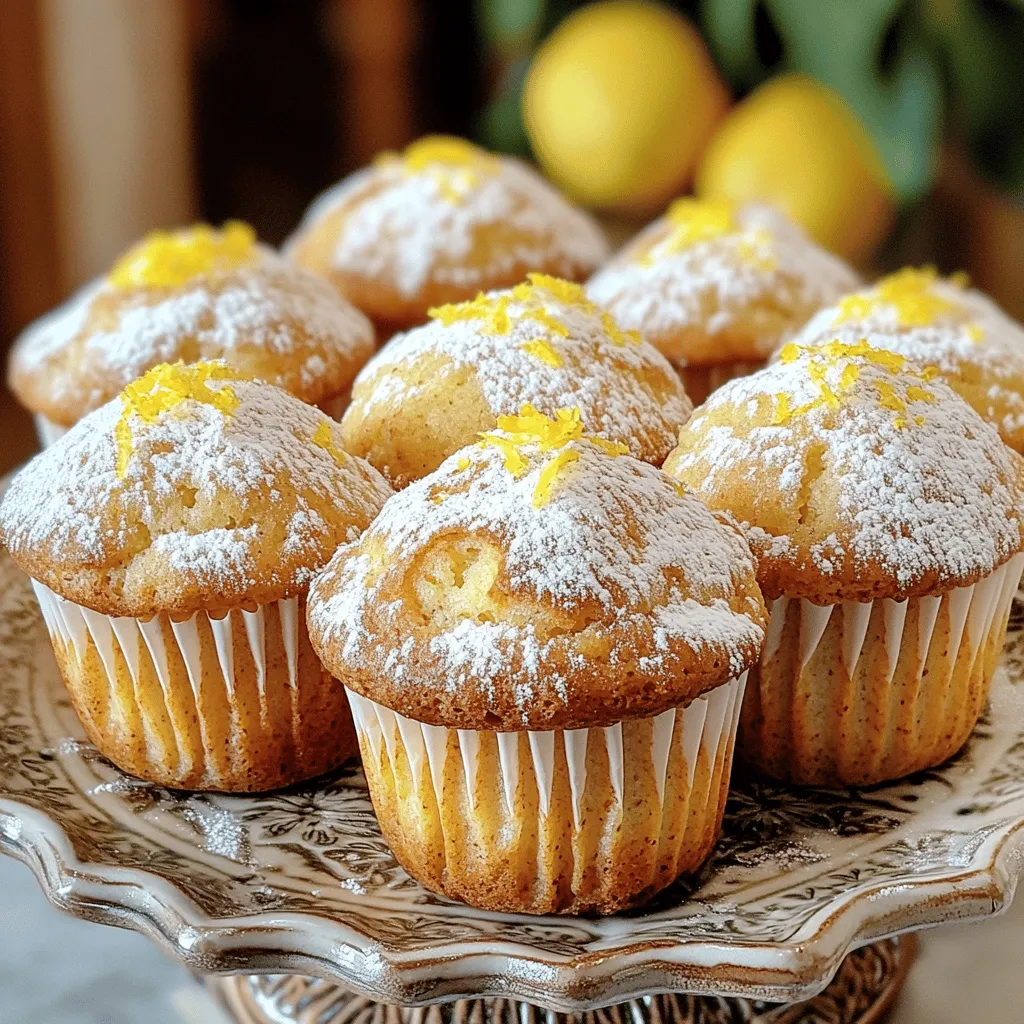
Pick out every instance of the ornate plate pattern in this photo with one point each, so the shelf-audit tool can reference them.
(301, 881)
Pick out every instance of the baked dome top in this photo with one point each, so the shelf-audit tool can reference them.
(538, 581)
(194, 294)
(193, 491)
(429, 392)
(439, 222)
(712, 282)
(977, 349)
(858, 476)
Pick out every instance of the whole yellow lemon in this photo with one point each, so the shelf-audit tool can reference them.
(619, 103)
(795, 143)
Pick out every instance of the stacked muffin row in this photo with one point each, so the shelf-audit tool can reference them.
(551, 647)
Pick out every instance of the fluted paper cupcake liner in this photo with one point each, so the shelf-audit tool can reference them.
(238, 702)
(552, 821)
(858, 693)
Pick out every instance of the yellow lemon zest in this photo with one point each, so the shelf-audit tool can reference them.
(789, 353)
(514, 461)
(909, 291)
(454, 165)
(543, 351)
(916, 394)
(891, 361)
(542, 493)
(569, 292)
(783, 413)
(323, 438)
(533, 427)
(166, 259)
(617, 335)
(164, 387)
(547, 433)
(498, 321)
(612, 448)
(463, 464)
(543, 317)
(697, 220)
(125, 446)
(887, 397)
(444, 149)
(975, 332)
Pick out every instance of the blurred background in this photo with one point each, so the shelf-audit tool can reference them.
(893, 130)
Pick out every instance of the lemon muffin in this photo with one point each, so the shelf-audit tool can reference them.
(437, 224)
(977, 349)
(886, 518)
(171, 536)
(545, 647)
(716, 287)
(431, 391)
(194, 294)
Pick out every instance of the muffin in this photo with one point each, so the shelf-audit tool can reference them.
(545, 647)
(431, 391)
(171, 536)
(977, 349)
(437, 224)
(195, 294)
(886, 518)
(717, 287)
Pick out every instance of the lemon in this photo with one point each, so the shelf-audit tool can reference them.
(796, 144)
(619, 103)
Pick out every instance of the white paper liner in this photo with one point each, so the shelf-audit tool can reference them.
(973, 610)
(909, 706)
(75, 626)
(706, 724)
(47, 431)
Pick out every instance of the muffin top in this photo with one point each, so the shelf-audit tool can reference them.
(977, 349)
(858, 475)
(430, 392)
(537, 581)
(191, 492)
(198, 293)
(711, 282)
(438, 223)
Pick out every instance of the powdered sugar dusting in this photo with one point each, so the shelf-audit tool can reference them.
(973, 337)
(899, 474)
(405, 231)
(708, 284)
(625, 391)
(615, 531)
(84, 357)
(203, 495)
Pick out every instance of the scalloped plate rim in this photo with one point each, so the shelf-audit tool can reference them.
(403, 977)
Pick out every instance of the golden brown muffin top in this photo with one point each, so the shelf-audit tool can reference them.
(538, 580)
(438, 223)
(198, 293)
(543, 343)
(977, 349)
(191, 492)
(711, 282)
(857, 475)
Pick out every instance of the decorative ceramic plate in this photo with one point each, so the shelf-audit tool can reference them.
(301, 881)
